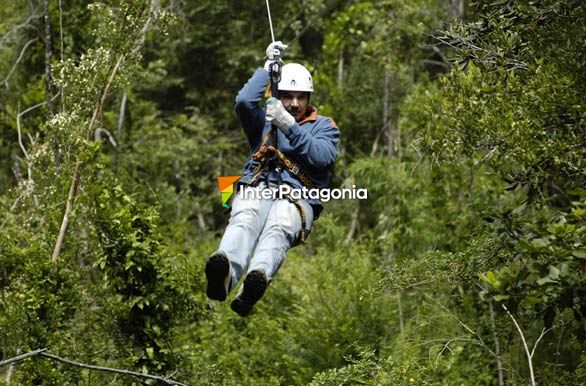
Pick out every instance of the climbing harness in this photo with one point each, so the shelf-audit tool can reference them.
(304, 234)
(267, 153)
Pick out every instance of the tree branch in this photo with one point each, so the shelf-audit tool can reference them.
(19, 131)
(5, 81)
(446, 66)
(543, 332)
(21, 357)
(466, 327)
(79, 165)
(98, 136)
(529, 354)
(10, 211)
(42, 352)
(26, 23)
(478, 54)
(112, 370)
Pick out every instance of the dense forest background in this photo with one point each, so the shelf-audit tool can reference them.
(464, 120)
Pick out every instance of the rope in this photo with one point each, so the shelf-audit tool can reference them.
(270, 21)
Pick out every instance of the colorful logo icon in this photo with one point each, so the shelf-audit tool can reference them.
(226, 184)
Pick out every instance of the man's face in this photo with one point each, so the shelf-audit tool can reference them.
(295, 102)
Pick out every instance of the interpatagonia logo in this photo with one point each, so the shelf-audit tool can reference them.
(284, 191)
(226, 184)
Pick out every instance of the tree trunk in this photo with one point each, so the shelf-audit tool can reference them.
(457, 9)
(499, 362)
(388, 126)
(340, 78)
(11, 369)
(61, 51)
(75, 179)
(354, 224)
(121, 116)
(48, 55)
(400, 308)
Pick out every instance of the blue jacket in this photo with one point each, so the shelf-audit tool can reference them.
(311, 143)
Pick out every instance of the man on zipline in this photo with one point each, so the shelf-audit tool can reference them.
(301, 156)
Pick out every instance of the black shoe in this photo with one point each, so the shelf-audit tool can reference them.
(219, 276)
(255, 285)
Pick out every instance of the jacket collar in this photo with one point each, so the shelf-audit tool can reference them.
(310, 115)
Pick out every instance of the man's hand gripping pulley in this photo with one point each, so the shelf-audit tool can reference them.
(274, 65)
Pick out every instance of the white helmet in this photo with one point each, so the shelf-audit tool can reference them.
(295, 77)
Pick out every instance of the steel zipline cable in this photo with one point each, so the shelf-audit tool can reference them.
(275, 76)
(270, 21)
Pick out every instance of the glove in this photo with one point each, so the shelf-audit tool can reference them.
(278, 116)
(275, 50)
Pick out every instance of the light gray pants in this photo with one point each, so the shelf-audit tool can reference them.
(264, 229)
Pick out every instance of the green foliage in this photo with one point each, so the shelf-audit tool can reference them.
(547, 273)
(373, 49)
(141, 301)
(467, 133)
(364, 370)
